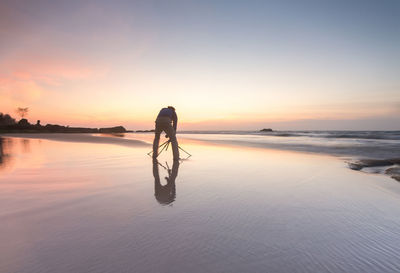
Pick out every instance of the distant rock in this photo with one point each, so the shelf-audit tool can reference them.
(266, 130)
(144, 131)
(117, 129)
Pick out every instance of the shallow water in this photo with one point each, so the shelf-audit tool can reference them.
(368, 144)
(81, 207)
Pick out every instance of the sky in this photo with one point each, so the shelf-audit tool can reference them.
(224, 65)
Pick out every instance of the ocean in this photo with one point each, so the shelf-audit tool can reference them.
(354, 144)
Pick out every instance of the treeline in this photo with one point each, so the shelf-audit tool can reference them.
(9, 125)
(6, 119)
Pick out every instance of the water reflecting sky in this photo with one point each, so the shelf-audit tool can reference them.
(80, 207)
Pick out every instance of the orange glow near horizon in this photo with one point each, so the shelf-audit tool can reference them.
(107, 65)
(78, 94)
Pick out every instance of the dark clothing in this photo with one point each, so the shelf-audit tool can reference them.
(163, 123)
(167, 112)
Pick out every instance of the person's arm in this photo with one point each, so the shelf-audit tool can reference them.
(174, 120)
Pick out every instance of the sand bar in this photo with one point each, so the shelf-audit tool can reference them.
(85, 138)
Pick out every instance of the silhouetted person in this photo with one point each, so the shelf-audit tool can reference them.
(166, 121)
(165, 194)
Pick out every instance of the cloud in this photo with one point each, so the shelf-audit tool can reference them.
(26, 79)
(22, 91)
(48, 69)
(34, 81)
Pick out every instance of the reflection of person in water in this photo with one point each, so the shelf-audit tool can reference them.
(165, 194)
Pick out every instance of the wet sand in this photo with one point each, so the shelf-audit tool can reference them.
(84, 138)
(92, 207)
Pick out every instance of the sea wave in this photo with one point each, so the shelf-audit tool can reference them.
(390, 135)
(367, 151)
(360, 144)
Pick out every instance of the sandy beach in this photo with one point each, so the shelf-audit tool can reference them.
(80, 203)
(277, 124)
(84, 138)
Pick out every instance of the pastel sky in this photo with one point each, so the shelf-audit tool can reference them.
(223, 64)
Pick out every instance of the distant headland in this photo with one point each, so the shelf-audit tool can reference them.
(9, 125)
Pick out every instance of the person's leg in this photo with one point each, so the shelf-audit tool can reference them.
(156, 141)
(172, 137)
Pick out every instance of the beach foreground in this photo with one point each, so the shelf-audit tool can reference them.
(103, 206)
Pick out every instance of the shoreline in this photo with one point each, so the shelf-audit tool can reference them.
(81, 137)
(387, 166)
(226, 201)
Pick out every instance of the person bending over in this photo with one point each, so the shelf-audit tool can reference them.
(166, 121)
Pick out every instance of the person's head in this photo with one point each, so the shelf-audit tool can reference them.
(171, 107)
